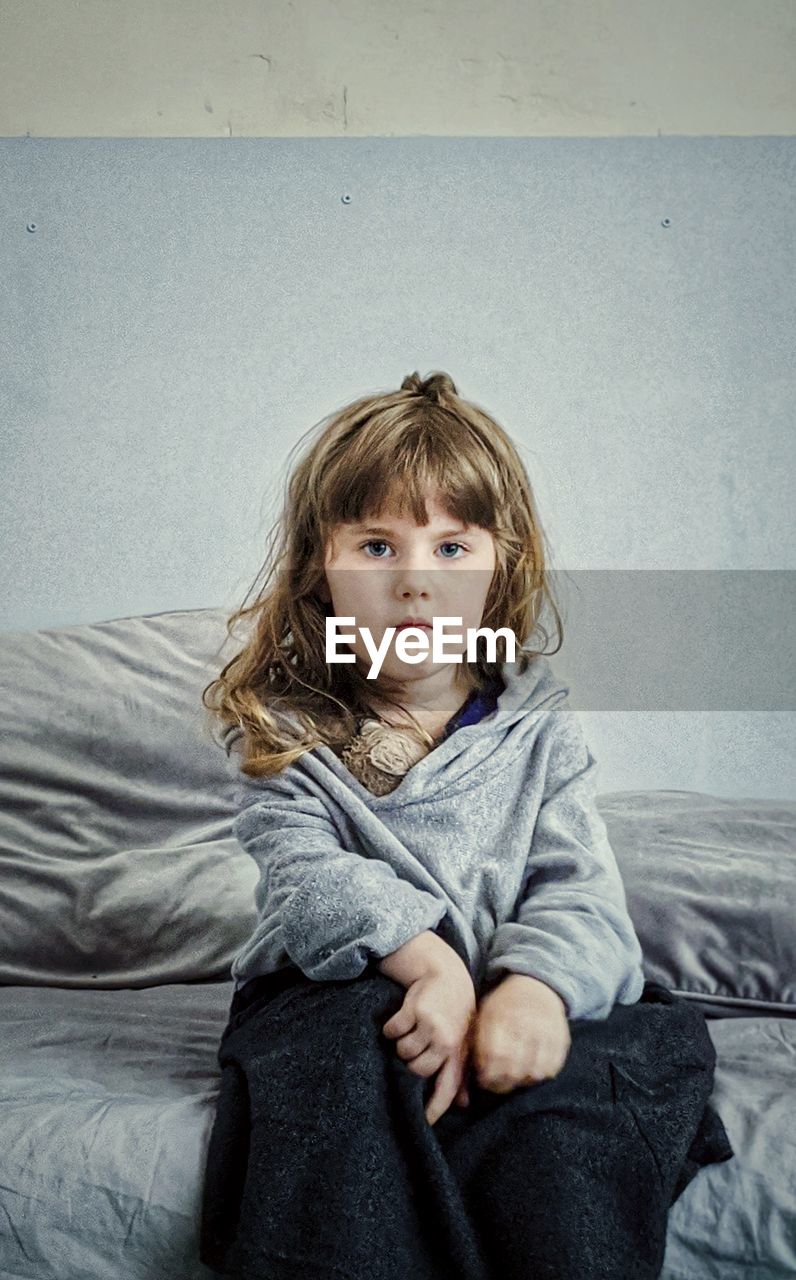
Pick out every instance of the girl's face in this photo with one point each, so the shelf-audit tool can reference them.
(383, 570)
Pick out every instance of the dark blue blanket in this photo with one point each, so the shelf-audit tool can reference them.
(322, 1166)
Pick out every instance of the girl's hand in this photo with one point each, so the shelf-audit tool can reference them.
(432, 1027)
(520, 1035)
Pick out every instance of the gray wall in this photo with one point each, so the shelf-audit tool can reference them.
(178, 309)
(371, 68)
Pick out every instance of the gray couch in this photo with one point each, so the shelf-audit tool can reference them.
(124, 897)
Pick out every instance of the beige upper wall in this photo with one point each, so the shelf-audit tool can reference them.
(359, 68)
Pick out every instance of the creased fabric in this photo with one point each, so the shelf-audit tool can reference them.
(322, 1165)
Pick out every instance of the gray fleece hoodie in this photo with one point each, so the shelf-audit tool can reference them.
(496, 829)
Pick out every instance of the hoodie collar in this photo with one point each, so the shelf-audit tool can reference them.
(479, 748)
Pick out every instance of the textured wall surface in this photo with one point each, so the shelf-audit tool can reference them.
(355, 68)
(177, 312)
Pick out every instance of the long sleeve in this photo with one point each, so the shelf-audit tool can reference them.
(336, 909)
(570, 926)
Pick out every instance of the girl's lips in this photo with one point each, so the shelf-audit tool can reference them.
(422, 625)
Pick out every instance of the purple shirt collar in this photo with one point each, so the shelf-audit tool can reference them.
(478, 705)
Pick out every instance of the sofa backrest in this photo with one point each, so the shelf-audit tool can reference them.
(117, 863)
(118, 866)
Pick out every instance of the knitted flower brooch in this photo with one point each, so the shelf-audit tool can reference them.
(380, 754)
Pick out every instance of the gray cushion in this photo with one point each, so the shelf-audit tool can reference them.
(117, 862)
(711, 887)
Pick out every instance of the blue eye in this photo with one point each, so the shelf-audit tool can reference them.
(377, 542)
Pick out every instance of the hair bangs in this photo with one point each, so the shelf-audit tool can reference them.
(393, 468)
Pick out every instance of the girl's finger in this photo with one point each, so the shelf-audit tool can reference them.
(401, 1023)
(412, 1045)
(444, 1091)
(426, 1063)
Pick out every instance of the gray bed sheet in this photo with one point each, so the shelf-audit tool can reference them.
(737, 1221)
(106, 1103)
(107, 1099)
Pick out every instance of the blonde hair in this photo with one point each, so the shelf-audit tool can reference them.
(380, 452)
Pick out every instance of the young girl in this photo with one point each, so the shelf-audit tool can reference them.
(442, 1059)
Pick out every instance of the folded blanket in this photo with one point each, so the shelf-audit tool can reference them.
(321, 1164)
